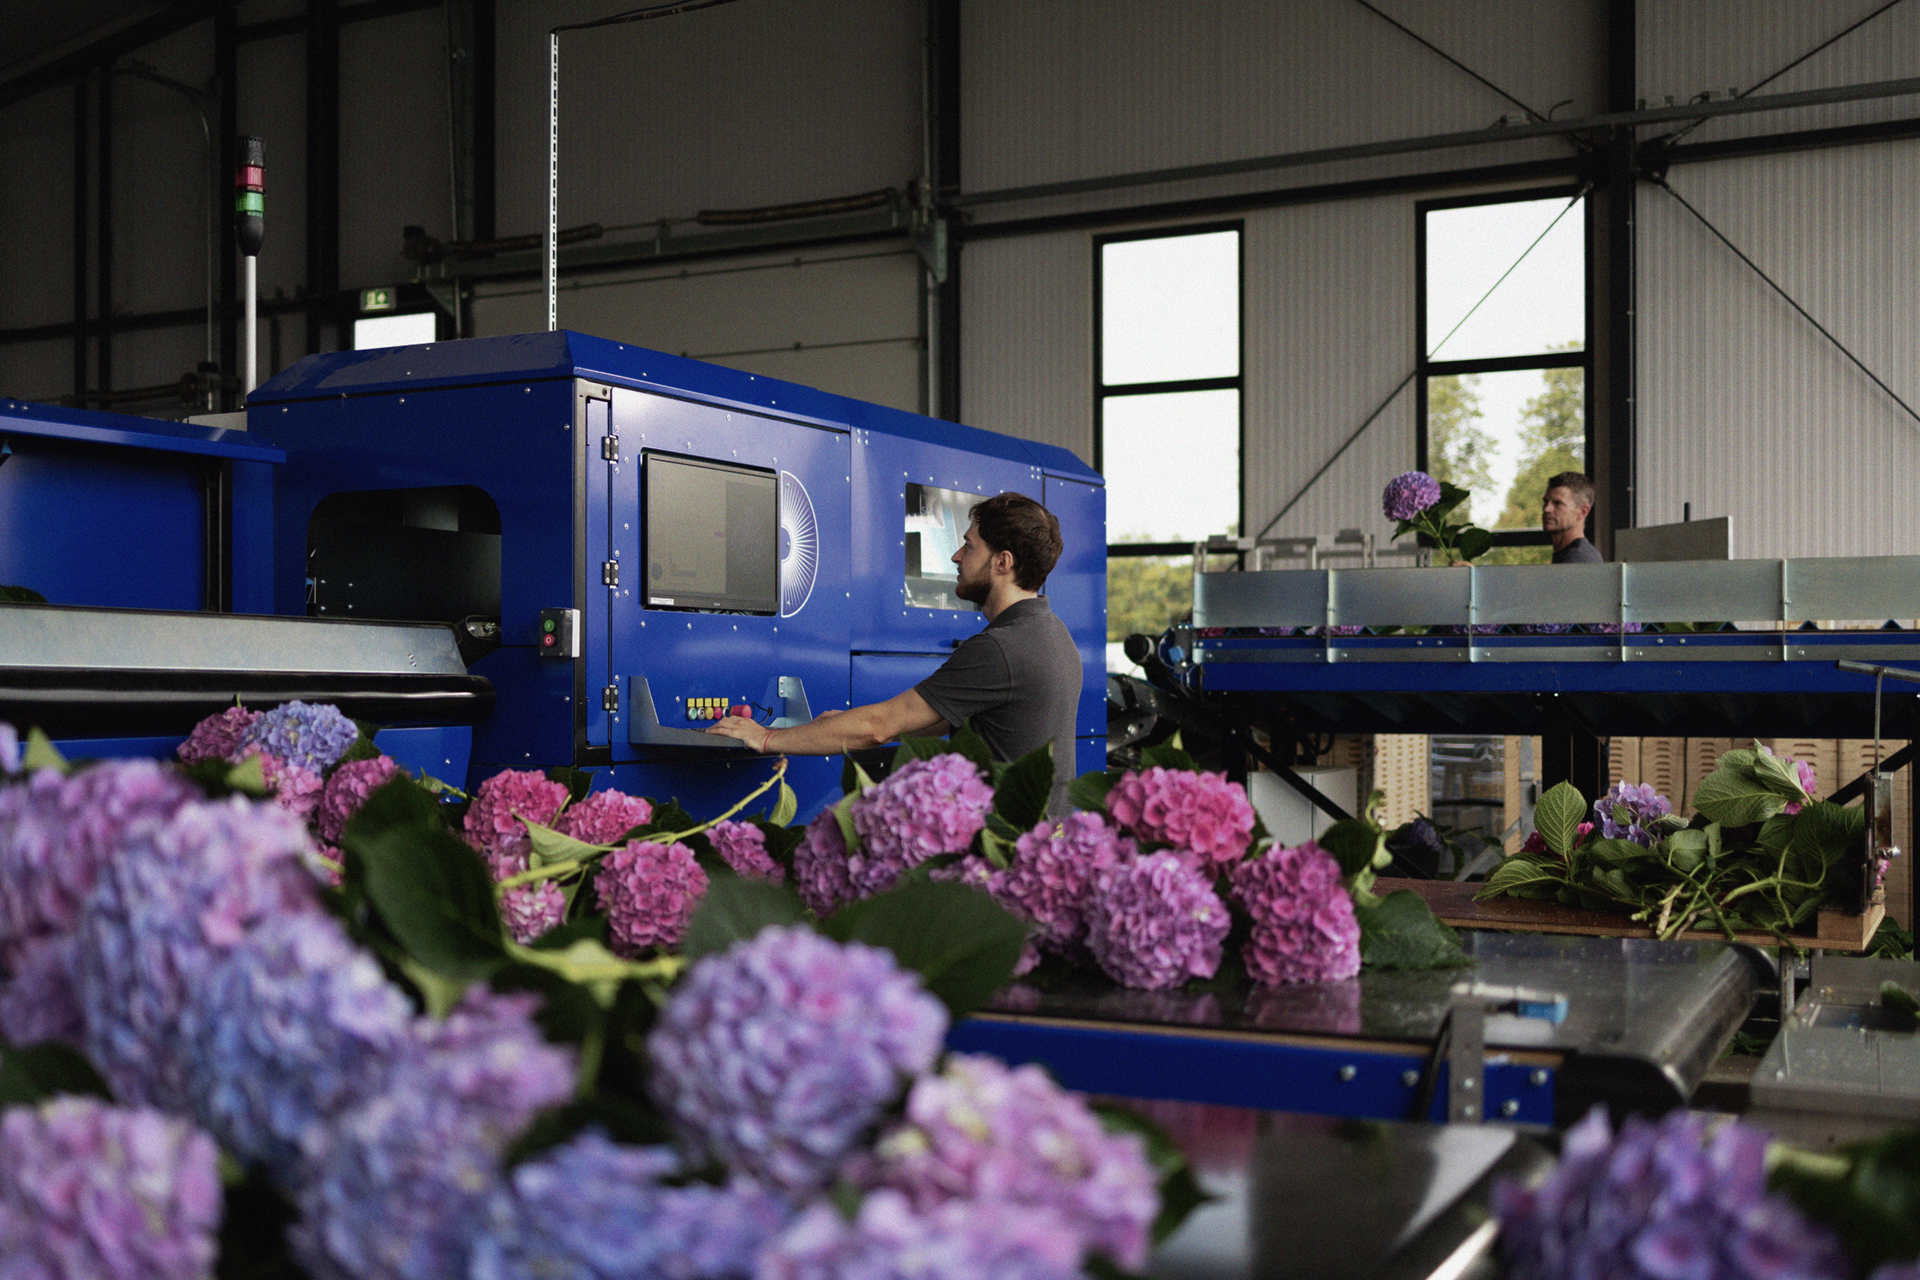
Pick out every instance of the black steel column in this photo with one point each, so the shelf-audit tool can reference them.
(1570, 751)
(1615, 294)
(226, 69)
(103, 249)
(323, 168)
(82, 159)
(944, 36)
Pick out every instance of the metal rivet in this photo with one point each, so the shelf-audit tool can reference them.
(1409, 1078)
(1466, 1082)
(1510, 1108)
(1538, 1078)
(1347, 1073)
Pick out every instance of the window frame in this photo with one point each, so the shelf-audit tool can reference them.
(1236, 383)
(1426, 368)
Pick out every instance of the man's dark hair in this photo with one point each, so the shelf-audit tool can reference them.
(1014, 522)
(1574, 483)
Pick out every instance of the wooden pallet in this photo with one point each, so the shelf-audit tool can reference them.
(1453, 902)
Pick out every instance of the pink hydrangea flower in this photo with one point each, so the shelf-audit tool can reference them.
(493, 823)
(347, 790)
(649, 892)
(218, 737)
(924, 809)
(293, 787)
(1304, 928)
(1053, 874)
(604, 817)
(329, 863)
(1010, 1136)
(1537, 843)
(1157, 923)
(743, 846)
(820, 866)
(529, 910)
(1202, 813)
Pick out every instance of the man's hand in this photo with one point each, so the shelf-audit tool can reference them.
(751, 732)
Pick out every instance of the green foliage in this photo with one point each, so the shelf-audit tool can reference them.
(1459, 448)
(577, 781)
(1558, 817)
(962, 944)
(1089, 790)
(1400, 932)
(1355, 844)
(34, 1073)
(736, 908)
(40, 754)
(20, 595)
(1553, 438)
(1867, 1192)
(1147, 594)
(1023, 788)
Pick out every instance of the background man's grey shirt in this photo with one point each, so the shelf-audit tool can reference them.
(1017, 683)
(1579, 551)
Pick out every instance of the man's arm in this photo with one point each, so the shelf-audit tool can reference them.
(903, 715)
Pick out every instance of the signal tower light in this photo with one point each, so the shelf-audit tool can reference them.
(250, 229)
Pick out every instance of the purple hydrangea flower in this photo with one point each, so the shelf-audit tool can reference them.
(56, 833)
(90, 1189)
(292, 787)
(9, 748)
(38, 1002)
(493, 825)
(1627, 812)
(1157, 923)
(1663, 1199)
(958, 1240)
(775, 1056)
(306, 735)
(591, 1210)
(163, 914)
(396, 1186)
(289, 1029)
(1545, 628)
(347, 790)
(986, 1132)
(1201, 813)
(219, 736)
(923, 809)
(1408, 494)
(604, 817)
(743, 846)
(649, 892)
(1053, 874)
(1304, 928)
(820, 870)
(530, 910)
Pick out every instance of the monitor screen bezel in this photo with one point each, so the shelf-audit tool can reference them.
(704, 602)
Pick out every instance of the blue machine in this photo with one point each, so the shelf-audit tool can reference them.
(631, 544)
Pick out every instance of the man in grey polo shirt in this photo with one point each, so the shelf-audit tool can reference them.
(1563, 517)
(1017, 683)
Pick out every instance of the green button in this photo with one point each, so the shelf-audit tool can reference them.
(548, 624)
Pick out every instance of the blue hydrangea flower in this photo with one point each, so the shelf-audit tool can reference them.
(1408, 494)
(775, 1056)
(1627, 812)
(90, 1189)
(165, 912)
(958, 1240)
(591, 1210)
(395, 1187)
(310, 735)
(288, 1030)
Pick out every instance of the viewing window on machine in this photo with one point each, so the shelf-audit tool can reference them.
(936, 524)
(712, 536)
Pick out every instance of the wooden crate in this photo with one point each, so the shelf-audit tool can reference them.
(1400, 764)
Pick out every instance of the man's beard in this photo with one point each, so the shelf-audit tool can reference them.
(974, 591)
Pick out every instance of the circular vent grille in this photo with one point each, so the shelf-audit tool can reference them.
(799, 545)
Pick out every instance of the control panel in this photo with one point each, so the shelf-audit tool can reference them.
(559, 633)
(715, 708)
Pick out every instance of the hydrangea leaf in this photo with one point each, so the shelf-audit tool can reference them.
(1558, 816)
(1778, 776)
(1168, 755)
(1400, 932)
(432, 892)
(1089, 791)
(1868, 1193)
(918, 749)
(1353, 844)
(247, 777)
(21, 595)
(962, 944)
(1732, 797)
(1025, 788)
(577, 781)
(42, 754)
(736, 908)
(785, 806)
(40, 1071)
(1515, 872)
(1473, 543)
(551, 847)
(974, 747)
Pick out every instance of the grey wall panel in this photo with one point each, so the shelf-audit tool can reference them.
(1088, 88)
(1687, 47)
(845, 321)
(273, 78)
(1329, 335)
(743, 105)
(1026, 339)
(36, 218)
(160, 182)
(395, 156)
(1744, 409)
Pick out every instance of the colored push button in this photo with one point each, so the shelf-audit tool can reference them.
(706, 708)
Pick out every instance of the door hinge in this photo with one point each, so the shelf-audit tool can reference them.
(610, 698)
(610, 448)
(610, 573)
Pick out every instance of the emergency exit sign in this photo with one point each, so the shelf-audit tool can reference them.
(376, 299)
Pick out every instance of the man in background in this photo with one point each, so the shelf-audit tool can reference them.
(1563, 515)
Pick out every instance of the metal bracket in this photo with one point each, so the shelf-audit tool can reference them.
(610, 698)
(1466, 1062)
(610, 448)
(610, 573)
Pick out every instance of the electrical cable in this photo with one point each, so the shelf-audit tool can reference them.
(1840, 346)
(1434, 48)
(1691, 125)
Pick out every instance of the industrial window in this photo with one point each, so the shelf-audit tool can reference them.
(1502, 327)
(1167, 399)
